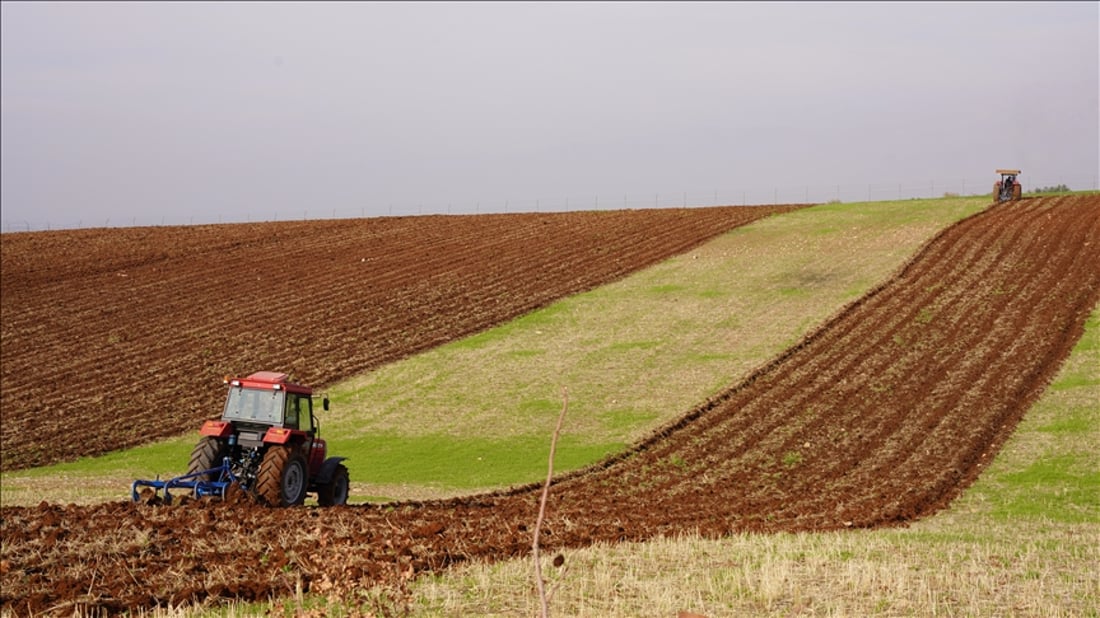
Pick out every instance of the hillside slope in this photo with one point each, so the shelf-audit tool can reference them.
(880, 416)
(130, 330)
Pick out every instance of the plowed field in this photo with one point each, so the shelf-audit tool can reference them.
(125, 330)
(880, 416)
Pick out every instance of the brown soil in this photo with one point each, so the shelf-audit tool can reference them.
(125, 330)
(882, 415)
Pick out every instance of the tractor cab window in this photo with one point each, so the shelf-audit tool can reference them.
(305, 414)
(291, 418)
(298, 412)
(254, 405)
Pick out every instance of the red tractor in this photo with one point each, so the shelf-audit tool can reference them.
(267, 443)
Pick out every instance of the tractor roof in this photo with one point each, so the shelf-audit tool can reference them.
(270, 379)
(1013, 172)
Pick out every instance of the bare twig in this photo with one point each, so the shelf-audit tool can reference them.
(544, 609)
(561, 578)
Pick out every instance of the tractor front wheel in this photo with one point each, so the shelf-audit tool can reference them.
(282, 479)
(335, 493)
(207, 454)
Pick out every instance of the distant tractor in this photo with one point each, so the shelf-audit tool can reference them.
(267, 443)
(1007, 188)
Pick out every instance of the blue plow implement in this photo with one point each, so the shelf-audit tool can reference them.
(195, 482)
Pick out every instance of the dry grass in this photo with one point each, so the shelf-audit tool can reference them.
(24, 489)
(887, 573)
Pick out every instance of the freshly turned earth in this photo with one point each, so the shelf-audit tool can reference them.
(880, 416)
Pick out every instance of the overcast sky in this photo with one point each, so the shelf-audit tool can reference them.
(206, 112)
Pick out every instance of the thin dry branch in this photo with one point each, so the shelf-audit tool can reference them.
(544, 605)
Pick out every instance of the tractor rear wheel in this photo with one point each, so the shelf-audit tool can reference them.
(207, 454)
(335, 493)
(1017, 192)
(282, 479)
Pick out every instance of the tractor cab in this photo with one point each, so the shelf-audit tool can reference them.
(265, 407)
(267, 398)
(1008, 187)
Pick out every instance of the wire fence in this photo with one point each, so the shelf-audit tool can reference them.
(813, 194)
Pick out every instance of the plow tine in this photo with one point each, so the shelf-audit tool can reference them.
(157, 485)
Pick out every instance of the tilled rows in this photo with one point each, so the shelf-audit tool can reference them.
(129, 331)
(880, 416)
